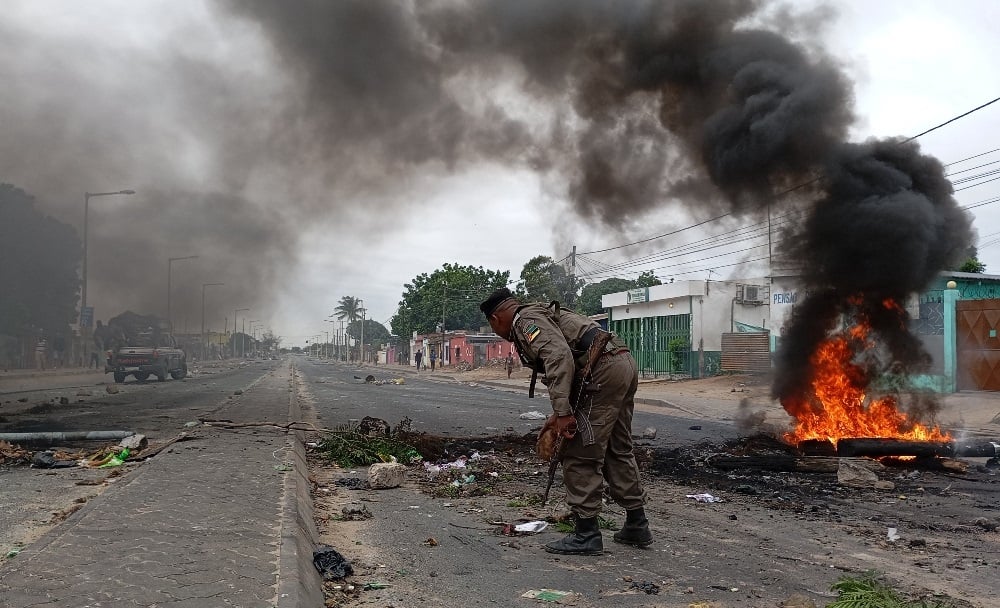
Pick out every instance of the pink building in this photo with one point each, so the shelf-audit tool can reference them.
(461, 346)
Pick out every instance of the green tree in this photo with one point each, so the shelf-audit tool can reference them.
(589, 302)
(450, 294)
(972, 265)
(39, 259)
(543, 280)
(348, 309)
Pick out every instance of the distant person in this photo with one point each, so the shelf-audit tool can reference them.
(510, 365)
(418, 358)
(433, 358)
(40, 347)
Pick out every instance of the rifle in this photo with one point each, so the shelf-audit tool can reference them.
(584, 428)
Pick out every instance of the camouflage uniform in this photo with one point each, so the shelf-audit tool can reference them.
(549, 340)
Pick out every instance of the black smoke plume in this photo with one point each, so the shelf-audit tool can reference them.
(630, 108)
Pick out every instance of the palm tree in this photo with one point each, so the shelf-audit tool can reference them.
(349, 309)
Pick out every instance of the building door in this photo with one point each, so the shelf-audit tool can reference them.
(746, 352)
(977, 324)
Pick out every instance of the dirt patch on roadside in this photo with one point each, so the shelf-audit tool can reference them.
(774, 532)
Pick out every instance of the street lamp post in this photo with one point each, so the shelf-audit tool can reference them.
(253, 337)
(235, 315)
(361, 348)
(170, 263)
(203, 286)
(83, 288)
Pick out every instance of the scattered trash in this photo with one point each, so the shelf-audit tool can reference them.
(114, 459)
(13, 552)
(383, 381)
(238, 392)
(284, 466)
(352, 483)
(431, 542)
(374, 586)
(552, 595)
(48, 460)
(111, 389)
(533, 415)
(694, 427)
(191, 424)
(704, 497)
(331, 564)
(647, 433)
(531, 527)
(892, 533)
(464, 481)
(356, 512)
(434, 469)
(646, 587)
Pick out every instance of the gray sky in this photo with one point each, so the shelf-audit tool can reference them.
(179, 100)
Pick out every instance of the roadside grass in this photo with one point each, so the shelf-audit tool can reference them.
(869, 590)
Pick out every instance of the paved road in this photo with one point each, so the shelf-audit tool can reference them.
(448, 408)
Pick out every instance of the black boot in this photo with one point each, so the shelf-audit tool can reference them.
(635, 532)
(584, 540)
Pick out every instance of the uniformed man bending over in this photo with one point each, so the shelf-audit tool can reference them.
(555, 342)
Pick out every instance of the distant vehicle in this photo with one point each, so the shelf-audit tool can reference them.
(142, 346)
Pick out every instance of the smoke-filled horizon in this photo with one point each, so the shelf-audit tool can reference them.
(301, 112)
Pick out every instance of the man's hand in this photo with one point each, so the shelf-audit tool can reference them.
(564, 426)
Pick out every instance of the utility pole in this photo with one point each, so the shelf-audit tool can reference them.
(203, 286)
(572, 277)
(361, 349)
(444, 299)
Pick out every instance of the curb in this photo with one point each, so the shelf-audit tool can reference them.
(299, 583)
(20, 375)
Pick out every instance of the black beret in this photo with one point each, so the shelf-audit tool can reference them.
(491, 303)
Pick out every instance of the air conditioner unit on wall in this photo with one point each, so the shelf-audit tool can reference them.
(751, 294)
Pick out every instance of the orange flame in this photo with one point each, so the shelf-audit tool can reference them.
(839, 407)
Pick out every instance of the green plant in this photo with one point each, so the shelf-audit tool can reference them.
(348, 448)
(870, 591)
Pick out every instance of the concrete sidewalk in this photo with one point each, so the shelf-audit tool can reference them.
(221, 520)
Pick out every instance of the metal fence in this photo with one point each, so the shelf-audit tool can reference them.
(660, 345)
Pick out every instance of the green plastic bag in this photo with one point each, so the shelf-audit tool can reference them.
(116, 460)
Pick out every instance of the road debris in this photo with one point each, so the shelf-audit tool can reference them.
(646, 587)
(704, 497)
(531, 527)
(48, 460)
(552, 595)
(533, 415)
(331, 564)
(386, 475)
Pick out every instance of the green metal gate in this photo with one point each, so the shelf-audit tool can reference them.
(660, 345)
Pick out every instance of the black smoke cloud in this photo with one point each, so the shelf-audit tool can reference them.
(310, 109)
